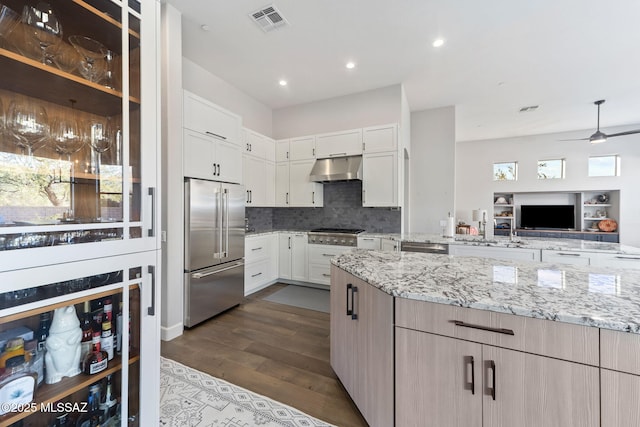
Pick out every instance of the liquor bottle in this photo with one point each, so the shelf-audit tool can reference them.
(96, 360)
(43, 330)
(92, 416)
(86, 325)
(108, 401)
(106, 339)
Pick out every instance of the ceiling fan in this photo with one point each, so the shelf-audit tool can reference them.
(598, 136)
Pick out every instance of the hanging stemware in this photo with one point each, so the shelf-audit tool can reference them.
(101, 136)
(28, 124)
(93, 66)
(42, 25)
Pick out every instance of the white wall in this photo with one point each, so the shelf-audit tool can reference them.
(474, 172)
(432, 169)
(370, 108)
(172, 212)
(255, 115)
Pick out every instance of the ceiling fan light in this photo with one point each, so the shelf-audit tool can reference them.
(597, 138)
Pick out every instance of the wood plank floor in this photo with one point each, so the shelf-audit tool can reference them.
(276, 350)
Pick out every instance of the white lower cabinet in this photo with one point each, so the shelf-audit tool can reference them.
(516, 254)
(292, 256)
(320, 262)
(261, 262)
(389, 245)
(369, 243)
(616, 260)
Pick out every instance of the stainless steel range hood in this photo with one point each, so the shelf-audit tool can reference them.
(337, 169)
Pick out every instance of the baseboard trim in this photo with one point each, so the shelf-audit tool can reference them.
(259, 288)
(169, 333)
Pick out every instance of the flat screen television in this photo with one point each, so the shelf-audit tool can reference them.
(548, 216)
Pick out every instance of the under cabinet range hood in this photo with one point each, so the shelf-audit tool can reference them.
(337, 169)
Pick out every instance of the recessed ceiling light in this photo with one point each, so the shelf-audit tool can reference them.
(204, 27)
(282, 82)
(350, 65)
(438, 42)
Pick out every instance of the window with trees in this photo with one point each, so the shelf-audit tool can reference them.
(507, 171)
(551, 169)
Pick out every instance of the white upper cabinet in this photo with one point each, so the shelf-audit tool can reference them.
(282, 184)
(303, 191)
(303, 148)
(205, 117)
(380, 138)
(339, 144)
(259, 145)
(259, 182)
(282, 150)
(380, 179)
(206, 157)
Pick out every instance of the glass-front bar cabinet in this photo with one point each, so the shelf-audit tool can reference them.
(79, 212)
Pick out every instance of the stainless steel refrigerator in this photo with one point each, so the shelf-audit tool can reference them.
(214, 248)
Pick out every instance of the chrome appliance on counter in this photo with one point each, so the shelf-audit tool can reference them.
(335, 236)
(214, 248)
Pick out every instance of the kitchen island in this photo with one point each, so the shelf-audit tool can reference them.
(473, 341)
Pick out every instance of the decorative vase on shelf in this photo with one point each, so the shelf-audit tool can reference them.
(63, 345)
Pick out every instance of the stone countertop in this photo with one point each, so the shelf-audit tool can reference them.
(591, 296)
(518, 242)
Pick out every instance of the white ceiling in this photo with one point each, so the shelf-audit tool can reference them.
(499, 55)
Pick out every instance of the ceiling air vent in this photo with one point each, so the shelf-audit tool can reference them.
(268, 18)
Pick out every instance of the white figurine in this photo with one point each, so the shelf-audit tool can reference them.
(63, 345)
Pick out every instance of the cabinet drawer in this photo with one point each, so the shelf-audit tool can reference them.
(620, 351)
(369, 243)
(566, 257)
(616, 260)
(322, 254)
(320, 273)
(544, 337)
(256, 248)
(256, 274)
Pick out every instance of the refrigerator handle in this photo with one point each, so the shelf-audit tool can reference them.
(226, 219)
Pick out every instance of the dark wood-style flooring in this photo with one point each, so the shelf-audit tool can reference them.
(276, 350)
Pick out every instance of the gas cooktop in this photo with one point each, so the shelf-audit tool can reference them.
(335, 236)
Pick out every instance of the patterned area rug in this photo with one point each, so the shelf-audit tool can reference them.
(192, 398)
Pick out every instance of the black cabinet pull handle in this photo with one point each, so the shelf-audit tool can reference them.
(354, 315)
(483, 328)
(566, 254)
(349, 287)
(247, 196)
(289, 242)
(224, 138)
(152, 231)
(492, 366)
(473, 374)
(151, 310)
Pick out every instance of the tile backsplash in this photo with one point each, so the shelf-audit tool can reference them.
(342, 209)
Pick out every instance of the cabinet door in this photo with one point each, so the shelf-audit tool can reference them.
(438, 381)
(342, 330)
(616, 260)
(285, 245)
(255, 180)
(228, 158)
(304, 192)
(620, 394)
(380, 138)
(302, 148)
(299, 257)
(338, 144)
(380, 179)
(389, 245)
(270, 184)
(198, 155)
(205, 117)
(282, 185)
(534, 391)
(282, 150)
(516, 254)
(374, 361)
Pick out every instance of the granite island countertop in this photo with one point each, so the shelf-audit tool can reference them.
(591, 296)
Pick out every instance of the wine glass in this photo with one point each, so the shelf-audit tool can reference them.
(43, 26)
(28, 124)
(92, 66)
(8, 21)
(67, 139)
(101, 136)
